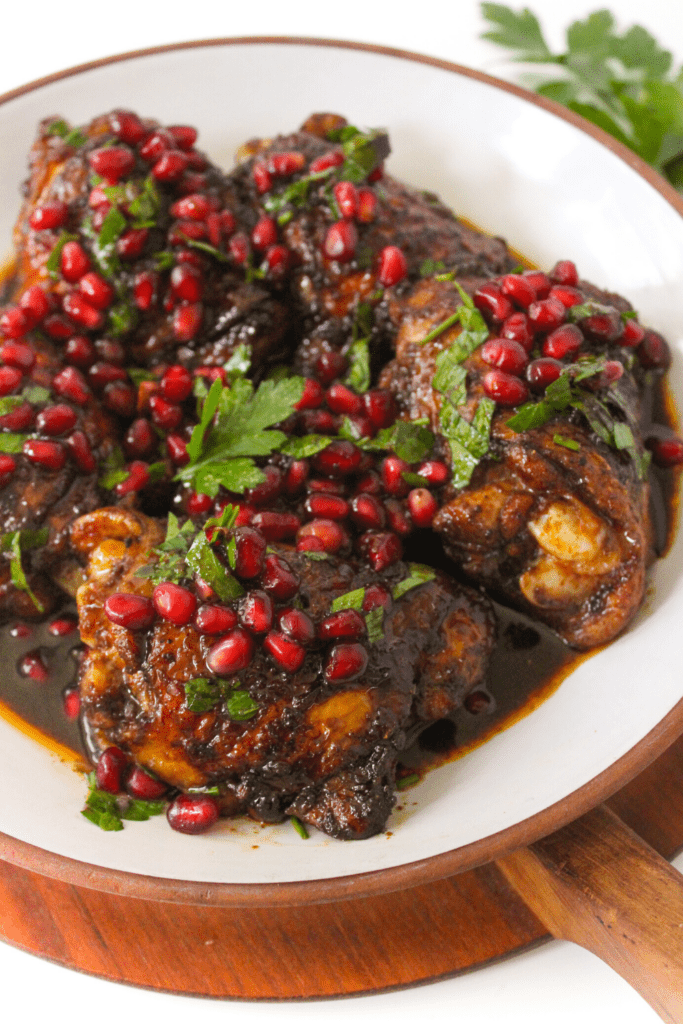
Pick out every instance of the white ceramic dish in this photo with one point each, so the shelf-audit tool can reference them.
(515, 168)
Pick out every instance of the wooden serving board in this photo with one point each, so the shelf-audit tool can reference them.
(365, 945)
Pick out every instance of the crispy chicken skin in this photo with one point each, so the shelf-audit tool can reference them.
(324, 752)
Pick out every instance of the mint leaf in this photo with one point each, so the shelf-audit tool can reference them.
(202, 694)
(352, 599)
(240, 706)
(374, 623)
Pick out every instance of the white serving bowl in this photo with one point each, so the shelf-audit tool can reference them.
(555, 188)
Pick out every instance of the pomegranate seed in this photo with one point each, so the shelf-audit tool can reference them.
(74, 262)
(110, 768)
(143, 786)
(519, 289)
(345, 662)
(144, 289)
(338, 459)
(7, 468)
(347, 624)
(228, 222)
(367, 513)
(112, 162)
(192, 814)
(132, 611)
(666, 452)
(327, 506)
(278, 579)
(101, 374)
(79, 447)
(127, 126)
(244, 516)
(198, 504)
(175, 603)
(546, 314)
(231, 654)
(398, 519)
(170, 166)
(340, 241)
(192, 207)
(377, 174)
(158, 142)
(367, 206)
(190, 257)
(184, 135)
(380, 549)
(213, 619)
(327, 531)
(422, 506)
(286, 652)
(632, 335)
(50, 215)
(322, 485)
(517, 328)
(36, 303)
(612, 371)
(278, 258)
(262, 177)
(20, 356)
(14, 322)
(18, 419)
(296, 476)
(283, 165)
(55, 420)
(567, 296)
(214, 229)
(255, 611)
(392, 470)
(58, 326)
(96, 290)
(297, 625)
(346, 196)
(71, 703)
(268, 489)
(376, 597)
(380, 407)
(79, 350)
(21, 630)
(540, 282)
(370, 483)
(563, 343)
(187, 320)
(63, 627)
(70, 383)
(564, 272)
(489, 299)
(176, 384)
(250, 549)
(542, 372)
(324, 162)
(48, 454)
(140, 441)
(330, 365)
(653, 352)
(435, 473)
(239, 248)
(177, 449)
(392, 267)
(504, 354)
(341, 399)
(82, 312)
(505, 389)
(264, 233)
(164, 414)
(319, 421)
(191, 183)
(138, 477)
(182, 230)
(603, 327)
(10, 379)
(33, 666)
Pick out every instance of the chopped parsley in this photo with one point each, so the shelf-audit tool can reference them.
(407, 781)
(430, 267)
(114, 471)
(12, 444)
(71, 136)
(108, 811)
(15, 543)
(299, 827)
(410, 440)
(363, 152)
(304, 447)
(204, 694)
(374, 623)
(418, 575)
(352, 599)
(567, 442)
(144, 209)
(205, 247)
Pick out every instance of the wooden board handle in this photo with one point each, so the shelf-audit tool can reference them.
(599, 885)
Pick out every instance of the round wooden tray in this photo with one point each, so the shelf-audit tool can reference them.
(357, 946)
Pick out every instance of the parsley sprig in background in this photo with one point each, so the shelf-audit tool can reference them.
(624, 82)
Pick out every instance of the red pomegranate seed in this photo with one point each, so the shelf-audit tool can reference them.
(262, 177)
(338, 459)
(276, 526)
(214, 229)
(187, 320)
(546, 314)
(71, 703)
(367, 206)
(286, 652)
(325, 486)
(170, 165)
(101, 374)
(517, 328)
(132, 611)
(564, 272)
(324, 162)
(422, 506)
(489, 299)
(213, 619)
(79, 446)
(231, 654)
(319, 421)
(164, 414)
(33, 666)
(144, 289)
(50, 215)
(82, 312)
(330, 365)
(376, 597)
(327, 506)
(278, 258)
(127, 126)
(283, 165)
(64, 626)
(367, 512)
(563, 343)
(192, 207)
(542, 372)
(56, 419)
(341, 399)
(653, 352)
(36, 303)
(346, 196)
(192, 814)
(612, 371)
(398, 519)
(176, 384)
(313, 395)
(297, 625)
(264, 233)
(97, 291)
(175, 603)
(392, 267)
(380, 549)
(250, 549)
(347, 624)
(377, 174)
(21, 630)
(138, 477)
(504, 354)
(79, 350)
(140, 441)
(48, 454)
(143, 786)
(70, 383)
(327, 531)
(435, 473)
(184, 135)
(7, 468)
(112, 162)
(14, 323)
(255, 611)
(177, 449)
(345, 662)
(190, 257)
(268, 489)
(392, 470)
(182, 230)
(567, 296)
(380, 407)
(110, 768)
(603, 327)
(198, 504)
(505, 389)
(519, 289)
(632, 335)
(111, 351)
(10, 379)
(20, 356)
(340, 241)
(540, 282)
(58, 326)
(278, 579)
(296, 476)
(666, 452)
(74, 262)
(239, 248)
(18, 419)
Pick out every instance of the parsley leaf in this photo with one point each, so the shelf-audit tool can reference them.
(374, 623)
(419, 574)
(358, 376)
(12, 444)
(351, 599)
(299, 827)
(240, 706)
(114, 471)
(410, 440)
(14, 542)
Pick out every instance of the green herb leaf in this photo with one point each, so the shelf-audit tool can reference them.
(419, 574)
(9, 403)
(299, 827)
(469, 442)
(304, 447)
(145, 208)
(358, 376)
(72, 136)
(408, 780)
(53, 264)
(415, 480)
(411, 441)
(202, 694)
(205, 247)
(138, 375)
(143, 810)
(240, 706)
(164, 259)
(316, 556)
(17, 574)
(12, 444)
(352, 599)
(295, 194)
(429, 267)
(202, 559)
(114, 471)
(36, 394)
(28, 539)
(567, 442)
(374, 623)
(122, 318)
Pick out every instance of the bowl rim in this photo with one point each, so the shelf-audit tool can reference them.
(414, 873)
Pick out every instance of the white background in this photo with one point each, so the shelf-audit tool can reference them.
(557, 983)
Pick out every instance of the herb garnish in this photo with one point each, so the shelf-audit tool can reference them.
(204, 694)
(52, 264)
(12, 444)
(363, 151)
(145, 207)
(566, 442)
(114, 471)
(351, 599)
(299, 827)
(419, 574)
(407, 781)
(71, 136)
(410, 440)
(15, 543)
(108, 811)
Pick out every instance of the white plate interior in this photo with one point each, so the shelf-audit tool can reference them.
(553, 192)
